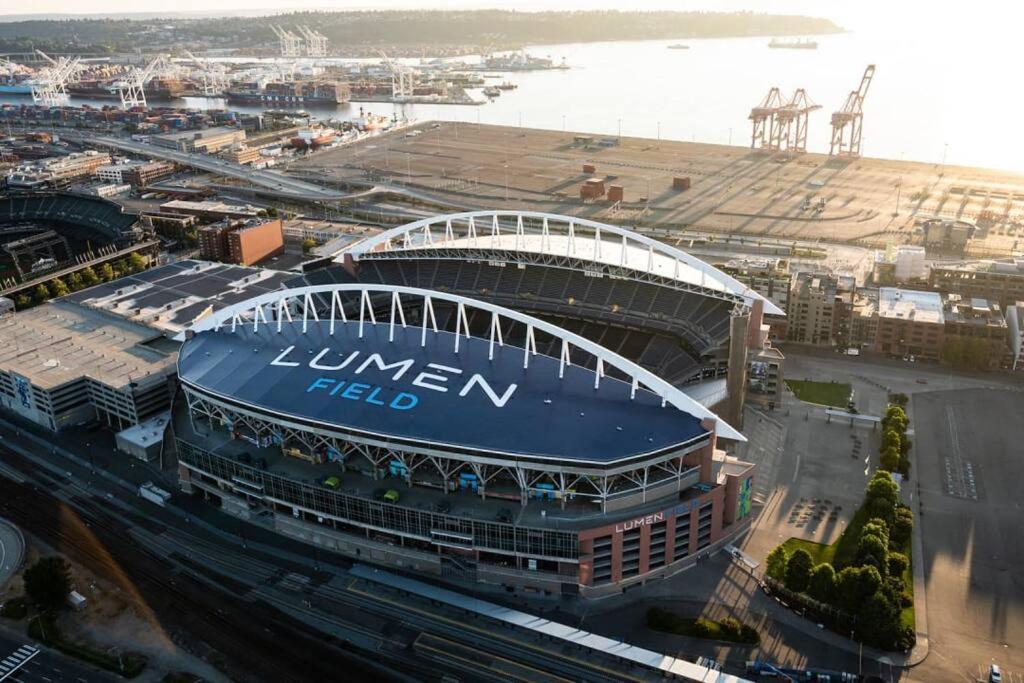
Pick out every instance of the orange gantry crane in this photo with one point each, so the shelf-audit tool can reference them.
(791, 123)
(763, 118)
(848, 122)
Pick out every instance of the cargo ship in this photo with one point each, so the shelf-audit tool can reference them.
(793, 44)
(309, 138)
(507, 85)
(678, 46)
(158, 89)
(291, 93)
(492, 92)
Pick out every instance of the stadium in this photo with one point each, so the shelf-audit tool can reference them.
(522, 399)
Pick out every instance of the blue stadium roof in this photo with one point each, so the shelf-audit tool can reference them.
(431, 396)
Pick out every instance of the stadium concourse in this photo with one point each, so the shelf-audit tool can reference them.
(522, 399)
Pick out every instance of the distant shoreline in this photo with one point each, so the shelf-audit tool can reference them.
(363, 33)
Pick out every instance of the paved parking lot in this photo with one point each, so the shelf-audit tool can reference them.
(969, 465)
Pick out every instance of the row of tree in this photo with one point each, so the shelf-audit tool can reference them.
(970, 353)
(871, 588)
(86, 277)
(894, 452)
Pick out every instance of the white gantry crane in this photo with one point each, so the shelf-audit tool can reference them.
(291, 44)
(214, 76)
(848, 121)
(133, 88)
(49, 87)
(403, 78)
(316, 42)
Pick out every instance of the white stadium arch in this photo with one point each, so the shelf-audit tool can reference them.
(550, 237)
(300, 304)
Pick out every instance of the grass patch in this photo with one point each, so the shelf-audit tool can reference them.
(819, 552)
(835, 394)
(44, 628)
(15, 608)
(728, 629)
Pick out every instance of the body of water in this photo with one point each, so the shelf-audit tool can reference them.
(931, 98)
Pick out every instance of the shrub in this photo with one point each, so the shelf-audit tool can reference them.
(898, 563)
(902, 526)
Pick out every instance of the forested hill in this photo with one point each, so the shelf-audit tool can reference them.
(350, 31)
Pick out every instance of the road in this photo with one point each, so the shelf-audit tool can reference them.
(278, 183)
(24, 662)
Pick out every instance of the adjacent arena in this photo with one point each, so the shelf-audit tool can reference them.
(515, 398)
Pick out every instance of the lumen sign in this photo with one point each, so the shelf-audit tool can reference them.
(347, 376)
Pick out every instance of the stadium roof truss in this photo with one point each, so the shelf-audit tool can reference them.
(552, 239)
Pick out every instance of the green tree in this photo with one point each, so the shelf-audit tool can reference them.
(854, 585)
(22, 301)
(882, 487)
(135, 263)
(898, 563)
(273, 212)
(106, 272)
(48, 582)
(902, 526)
(40, 294)
(307, 245)
(900, 400)
(872, 551)
(775, 563)
(890, 439)
(798, 570)
(57, 288)
(89, 277)
(889, 460)
(822, 584)
(878, 621)
(74, 282)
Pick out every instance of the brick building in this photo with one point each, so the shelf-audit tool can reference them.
(243, 242)
(910, 323)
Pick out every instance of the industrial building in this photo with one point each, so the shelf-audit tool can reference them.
(812, 308)
(585, 457)
(205, 141)
(62, 365)
(137, 174)
(976, 322)
(999, 281)
(56, 172)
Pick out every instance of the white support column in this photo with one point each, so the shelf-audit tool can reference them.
(520, 231)
(563, 359)
(335, 301)
(530, 345)
(257, 313)
(622, 256)
(449, 235)
(428, 312)
(598, 373)
(495, 332)
(570, 246)
(281, 308)
(650, 258)
(364, 307)
(633, 387)
(597, 243)
(307, 309)
(461, 321)
(472, 232)
(545, 236)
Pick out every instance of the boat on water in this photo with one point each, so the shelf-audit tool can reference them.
(308, 138)
(507, 85)
(492, 91)
(678, 46)
(793, 44)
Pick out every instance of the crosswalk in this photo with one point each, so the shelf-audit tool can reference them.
(17, 659)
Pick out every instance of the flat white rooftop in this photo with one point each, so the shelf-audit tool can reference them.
(910, 305)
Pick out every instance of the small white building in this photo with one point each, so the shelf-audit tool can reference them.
(910, 263)
(144, 440)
